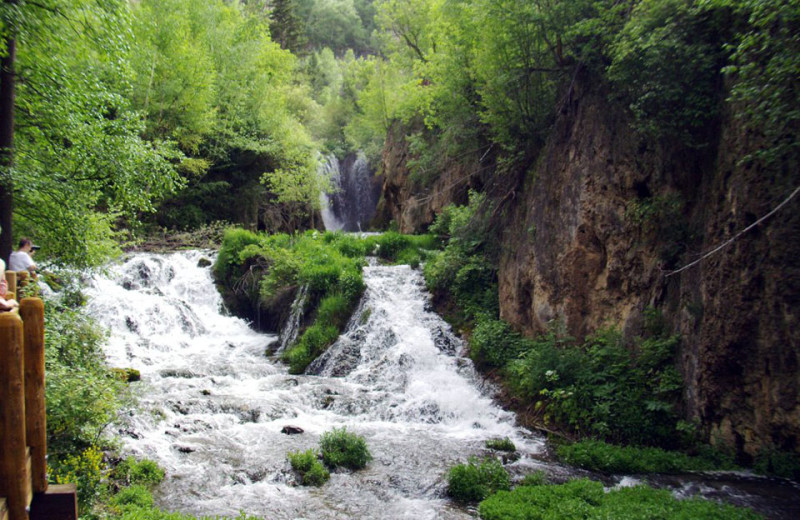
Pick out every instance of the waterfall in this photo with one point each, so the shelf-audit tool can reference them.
(354, 193)
(292, 327)
(212, 404)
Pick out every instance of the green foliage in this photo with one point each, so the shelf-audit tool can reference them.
(600, 456)
(82, 169)
(82, 394)
(779, 463)
(465, 271)
(342, 448)
(311, 470)
(537, 478)
(85, 469)
(143, 473)
(764, 63)
(584, 499)
(476, 480)
(261, 266)
(604, 388)
(494, 344)
(501, 445)
(134, 496)
(666, 61)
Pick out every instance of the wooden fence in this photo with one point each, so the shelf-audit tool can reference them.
(24, 491)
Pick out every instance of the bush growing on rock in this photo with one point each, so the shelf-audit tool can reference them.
(311, 470)
(342, 448)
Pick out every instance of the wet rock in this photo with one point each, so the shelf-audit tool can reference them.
(205, 392)
(327, 402)
(508, 458)
(132, 325)
(292, 430)
(185, 449)
(203, 262)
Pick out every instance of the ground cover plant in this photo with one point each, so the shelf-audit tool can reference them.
(601, 456)
(585, 499)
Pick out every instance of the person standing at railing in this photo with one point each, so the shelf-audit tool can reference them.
(20, 260)
(5, 304)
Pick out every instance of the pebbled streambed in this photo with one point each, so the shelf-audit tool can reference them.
(212, 405)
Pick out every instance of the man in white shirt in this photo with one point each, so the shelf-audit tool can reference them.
(20, 260)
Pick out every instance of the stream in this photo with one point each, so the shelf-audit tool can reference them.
(212, 405)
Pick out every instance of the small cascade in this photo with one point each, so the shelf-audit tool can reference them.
(355, 191)
(292, 327)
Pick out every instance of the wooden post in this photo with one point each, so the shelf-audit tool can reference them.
(32, 312)
(11, 278)
(59, 502)
(14, 478)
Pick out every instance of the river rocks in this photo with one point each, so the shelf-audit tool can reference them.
(203, 263)
(292, 430)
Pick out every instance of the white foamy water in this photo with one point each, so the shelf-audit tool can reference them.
(213, 405)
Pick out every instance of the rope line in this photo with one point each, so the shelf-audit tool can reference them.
(737, 235)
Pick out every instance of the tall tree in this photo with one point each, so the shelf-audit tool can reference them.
(7, 86)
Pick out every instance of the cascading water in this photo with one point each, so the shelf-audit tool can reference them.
(212, 405)
(355, 192)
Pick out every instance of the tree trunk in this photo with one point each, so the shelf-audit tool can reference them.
(7, 144)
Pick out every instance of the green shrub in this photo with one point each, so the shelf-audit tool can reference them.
(584, 499)
(600, 456)
(476, 480)
(311, 470)
(501, 445)
(234, 241)
(537, 478)
(342, 448)
(778, 463)
(494, 344)
(334, 309)
(133, 472)
(311, 344)
(136, 495)
(316, 475)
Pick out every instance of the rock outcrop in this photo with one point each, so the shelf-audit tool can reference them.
(600, 222)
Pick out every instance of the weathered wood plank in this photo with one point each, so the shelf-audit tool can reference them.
(14, 476)
(32, 312)
(59, 502)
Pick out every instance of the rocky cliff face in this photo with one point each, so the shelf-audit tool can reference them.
(407, 201)
(602, 219)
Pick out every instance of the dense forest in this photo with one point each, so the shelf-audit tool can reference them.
(127, 119)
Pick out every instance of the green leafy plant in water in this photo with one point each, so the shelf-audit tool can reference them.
(476, 480)
(311, 470)
(501, 445)
(342, 448)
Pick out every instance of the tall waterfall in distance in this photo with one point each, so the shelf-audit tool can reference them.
(351, 205)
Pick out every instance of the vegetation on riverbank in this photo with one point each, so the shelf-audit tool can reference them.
(263, 269)
(586, 499)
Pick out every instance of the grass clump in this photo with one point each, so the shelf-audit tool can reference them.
(585, 499)
(311, 470)
(476, 480)
(601, 456)
(342, 448)
(501, 445)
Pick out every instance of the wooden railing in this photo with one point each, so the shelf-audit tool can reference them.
(24, 491)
